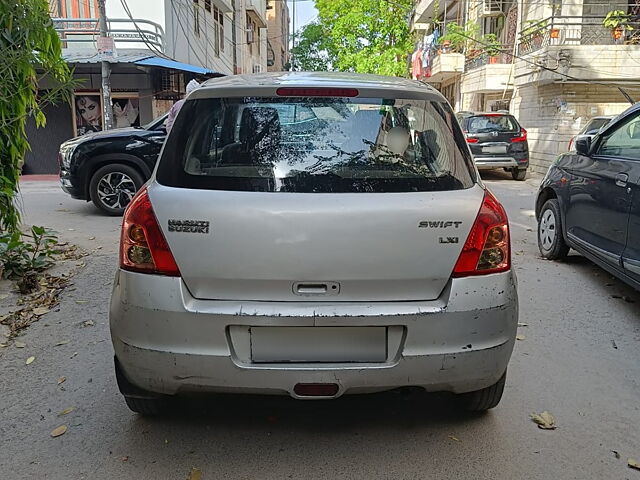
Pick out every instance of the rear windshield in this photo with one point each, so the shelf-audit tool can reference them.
(594, 125)
(491, 123)
(319, 145)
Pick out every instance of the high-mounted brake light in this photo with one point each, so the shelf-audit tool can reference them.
(488, 247)
(316, 92)
(143, 247)
(521, 138)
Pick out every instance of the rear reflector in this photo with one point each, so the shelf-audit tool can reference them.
(488, 247)
(316, 389)
(316, 92)
(143, 247)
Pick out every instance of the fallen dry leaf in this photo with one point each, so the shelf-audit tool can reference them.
(39, 311)
(520, 337)
(195, 474)
(88, 323)
(633, 464)
(92, 238)
(66, 411)
(544, 420)
(56, 432)
(523, 324)
(30, 360)
(82, 301)
(454, 438)
(19, 344)
(74, 354)
(616, 454)
(3, 345)
(62, 342)
(61, 380)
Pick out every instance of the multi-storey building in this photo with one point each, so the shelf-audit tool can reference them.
(278, 39)
(551, 63)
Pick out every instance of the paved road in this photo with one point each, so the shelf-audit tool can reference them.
(580, 360)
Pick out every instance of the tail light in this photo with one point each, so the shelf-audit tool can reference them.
(521, 138)
(143, 247)
(472, 140)
(487, 249)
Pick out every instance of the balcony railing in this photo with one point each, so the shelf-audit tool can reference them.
(477, 60)
(85, 32)
(578, 30)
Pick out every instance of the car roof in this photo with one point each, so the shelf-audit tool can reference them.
(268, 83)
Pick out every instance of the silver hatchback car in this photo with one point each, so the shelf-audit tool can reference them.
(314, 235)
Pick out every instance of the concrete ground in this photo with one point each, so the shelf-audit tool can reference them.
(579, 360)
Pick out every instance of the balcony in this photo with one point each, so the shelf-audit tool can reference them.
(83, 33)
(445, 66)
(578, 48)
(485, 74)
(573, 31)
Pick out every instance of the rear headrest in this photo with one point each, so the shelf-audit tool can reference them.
(258, 122)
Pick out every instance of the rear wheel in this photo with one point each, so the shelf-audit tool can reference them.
(113, 186)
(550, 238)
(519, 174)
(484, 399)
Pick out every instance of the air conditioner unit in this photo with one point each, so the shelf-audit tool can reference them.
(492, 8)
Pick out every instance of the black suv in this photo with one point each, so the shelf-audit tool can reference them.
(497, 140)
(590, 200)
(109, 167)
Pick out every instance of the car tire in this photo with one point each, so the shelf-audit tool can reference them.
(147, 406)
(551, 241)
(113, 186)
(484, 399)
(519, 174)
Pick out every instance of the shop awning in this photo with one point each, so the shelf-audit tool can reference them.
(166, 63)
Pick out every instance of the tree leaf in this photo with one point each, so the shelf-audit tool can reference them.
(62, 342)
(633, 464)
(66, 411)
(195, 474)
(61, 430)
(544, 420)
(30, 360)
(520, 337)
(61, 380)
(39, 311)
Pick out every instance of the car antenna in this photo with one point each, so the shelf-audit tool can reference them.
(626, 95)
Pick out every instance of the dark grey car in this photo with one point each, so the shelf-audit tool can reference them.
(497, 140)
(590, 200)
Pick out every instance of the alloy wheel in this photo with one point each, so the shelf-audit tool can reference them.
(116, 189)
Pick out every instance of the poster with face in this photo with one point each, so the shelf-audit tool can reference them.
(88, 113)
(126, 111)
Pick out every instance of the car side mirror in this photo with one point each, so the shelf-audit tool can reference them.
(583, 145)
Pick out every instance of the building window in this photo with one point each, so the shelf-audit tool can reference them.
(207, 5)
(218, 33)
(196, 17)
(251, 29)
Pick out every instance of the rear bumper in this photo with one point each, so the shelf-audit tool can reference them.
(168, 342)
(485, 163)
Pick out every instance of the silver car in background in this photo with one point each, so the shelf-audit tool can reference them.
(314, 235)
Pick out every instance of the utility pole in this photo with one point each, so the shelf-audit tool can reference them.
(106, 72)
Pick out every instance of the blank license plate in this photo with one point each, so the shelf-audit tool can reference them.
(318, 344)
(495, 149)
